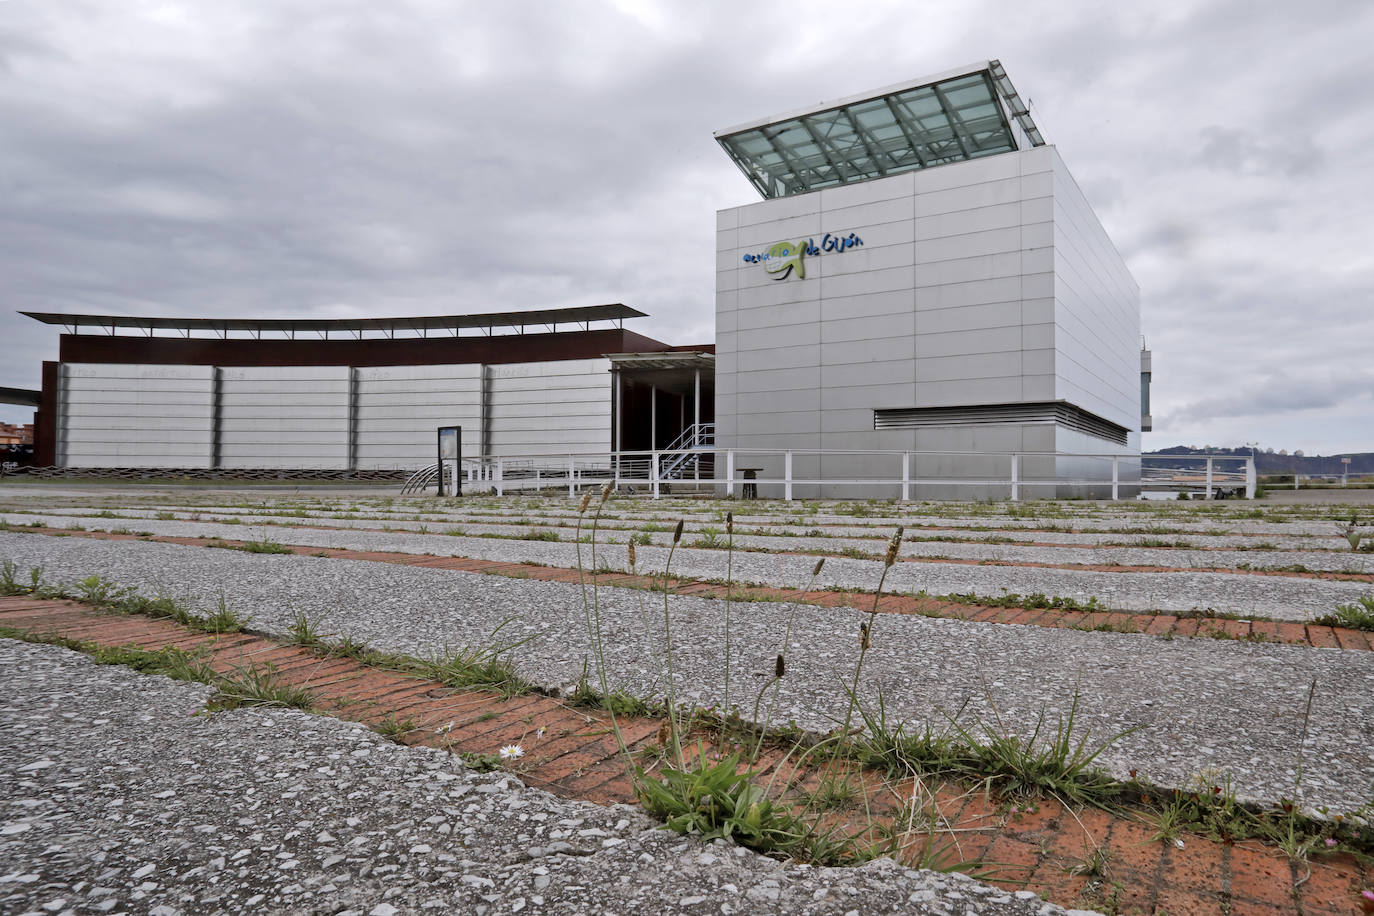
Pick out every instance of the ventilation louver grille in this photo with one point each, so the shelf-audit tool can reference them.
(1065, 415)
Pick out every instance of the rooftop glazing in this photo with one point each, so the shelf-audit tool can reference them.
(903, 128)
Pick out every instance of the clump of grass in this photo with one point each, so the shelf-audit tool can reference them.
(264, 546)
(394, 728)
(1358, 615)
(1055, 761)
(304, 631)
(540, 534)
(710, 538)
(168, 662)
(259, 686)
(722, 800)
(481, 666)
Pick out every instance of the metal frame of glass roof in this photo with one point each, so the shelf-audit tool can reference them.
(953, 117)
(488, 323)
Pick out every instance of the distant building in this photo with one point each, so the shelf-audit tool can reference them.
(923, 273)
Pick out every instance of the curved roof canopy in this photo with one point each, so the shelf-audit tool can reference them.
(490, 322)
(961, 115)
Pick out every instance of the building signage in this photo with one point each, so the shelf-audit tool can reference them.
(787, 258)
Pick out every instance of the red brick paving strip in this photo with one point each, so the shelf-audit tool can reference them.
(1292, 633)
(576, 756)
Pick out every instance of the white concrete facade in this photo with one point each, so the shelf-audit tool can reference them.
(326, 417)
(986, 282)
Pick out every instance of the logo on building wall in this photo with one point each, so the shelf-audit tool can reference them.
(786, 259)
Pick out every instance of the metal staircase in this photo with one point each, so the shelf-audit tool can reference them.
(686, 464)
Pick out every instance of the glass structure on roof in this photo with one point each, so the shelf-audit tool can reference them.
(952, 120)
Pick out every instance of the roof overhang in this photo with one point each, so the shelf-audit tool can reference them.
(536, 321)
(24, 397)
(685, 359)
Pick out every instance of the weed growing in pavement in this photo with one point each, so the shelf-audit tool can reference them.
(710, 539)
(540, 534)
(304, 631)
(394, 728)
(1352, 532)
(481, 763)
(168, 662)
(1094, 865)
(584, 695)
(264, 546)
(1358, 615)
(1051, 761)
(256, 685)
(483, 666)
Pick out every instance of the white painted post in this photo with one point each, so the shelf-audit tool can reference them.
(696, 425)
(787, 475)
(1116, 476)
(537, 477)
(729, 473)
(500, 477)
(1209, 476)
(653, 472)
(1015, 477)
(906, 477)
(1250, 478)
(572, 477)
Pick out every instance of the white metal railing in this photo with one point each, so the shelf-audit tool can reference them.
(896, 474)
(1210, 474)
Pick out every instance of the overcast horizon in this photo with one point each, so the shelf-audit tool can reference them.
(300, 159)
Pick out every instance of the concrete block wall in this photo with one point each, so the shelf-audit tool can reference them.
(115, 415)
(398, 409)
(284, 417)
(558, 407)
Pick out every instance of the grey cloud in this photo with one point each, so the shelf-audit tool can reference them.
(295, 157)
(1236, 150)
(1278, 393)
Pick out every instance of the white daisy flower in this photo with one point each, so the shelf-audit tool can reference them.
(511, 752)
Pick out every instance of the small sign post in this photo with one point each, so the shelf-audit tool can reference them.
(450, 456)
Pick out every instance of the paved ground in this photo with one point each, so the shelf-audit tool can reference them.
(1199, 704)
(1204, 706)
(116, 797)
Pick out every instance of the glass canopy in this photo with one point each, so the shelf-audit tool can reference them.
(950, 120)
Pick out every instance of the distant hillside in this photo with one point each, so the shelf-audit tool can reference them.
(1274, 463)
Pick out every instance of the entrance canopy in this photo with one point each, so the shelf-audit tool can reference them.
(675, 371)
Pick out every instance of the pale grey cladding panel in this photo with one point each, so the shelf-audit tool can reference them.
(959, 295)
(1097, 305)
(130, 415)
(551, 408)
(305, 426)
(399, 409)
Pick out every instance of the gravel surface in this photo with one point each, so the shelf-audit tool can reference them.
(1204, 704)
(118, 798)
(1279, 597)
(1088, 552)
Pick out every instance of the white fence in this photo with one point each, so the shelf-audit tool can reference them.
(900, 475)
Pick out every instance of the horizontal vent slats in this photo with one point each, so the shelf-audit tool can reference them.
(1065, 415)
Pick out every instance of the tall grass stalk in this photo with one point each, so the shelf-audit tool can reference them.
(866, 632)
(673, 729)
(780, 665)
(729, 590)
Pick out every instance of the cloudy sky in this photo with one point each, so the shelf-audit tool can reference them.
(304, 158)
